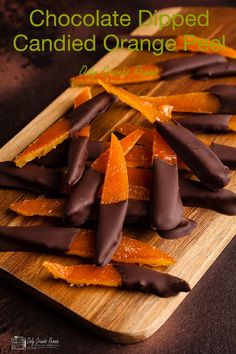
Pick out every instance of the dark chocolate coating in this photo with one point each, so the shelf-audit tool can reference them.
(95, 148)
(30, 177)
(80, 203)
(197, 156)
(216, 70)
(77, 157)
(166, 205)
(184, 228)
(195, 194)
(212, 123)
(36, 238)
(111, 219)
(150, 281)
(58, 157)
(227, 97)
(89, 110)
(189, 64)
(227, 154)
(138, 212)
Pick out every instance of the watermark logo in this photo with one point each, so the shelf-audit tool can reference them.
(18, 343)
(29, 343)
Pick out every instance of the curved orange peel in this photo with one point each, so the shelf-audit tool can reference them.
(151, 111)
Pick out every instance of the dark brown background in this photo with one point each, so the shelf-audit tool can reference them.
(205, 322)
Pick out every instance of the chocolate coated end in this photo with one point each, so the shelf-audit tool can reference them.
(80, 203)
(166, 205)
(150, 281)
(198, 157)
(109, 231)
(77, 157)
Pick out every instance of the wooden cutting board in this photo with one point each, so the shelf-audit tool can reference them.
(119, 315)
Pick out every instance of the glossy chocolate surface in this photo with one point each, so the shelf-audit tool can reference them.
(197, 156)
(81, 201)
(150, 281)
(195, 194)
(58, 157)
(212, 123)
(138, 212)
(36, 238)
(188, 64)
(226, 95)
(109, 230)
(184, 228)
(77, 157)
(30, 177)
(95, 148)
(89, 110)
(216, 70)
(166, 205)
(227, 154)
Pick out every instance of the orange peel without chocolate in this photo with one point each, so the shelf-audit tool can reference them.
(147, 137)
(162, 150)
(151, 112)
(81, 275)
(116, 184)
(195, 102)
(40, 207)
(127, 143)
(129, 250)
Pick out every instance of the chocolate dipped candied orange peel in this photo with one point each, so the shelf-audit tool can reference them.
(88, 109)
(80, 203)
(131, 277)
(113, 206)
(77, 242)
(166, 205)
(51, 137)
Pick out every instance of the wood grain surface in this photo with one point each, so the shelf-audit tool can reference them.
(124, 316)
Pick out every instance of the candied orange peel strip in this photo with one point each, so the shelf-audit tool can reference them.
(41, 207)
(150, 111)
(140, 177)
(138, 193)
(84, 132)
(225, 51)
(147, 137)
(81, 275)
(119, 76)
(129, 250)
(195, 102)
(83, 96)
(127, 143)
(162, 150)
(116, 184)
(232, 123)
(50, 138)
(139, 156)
